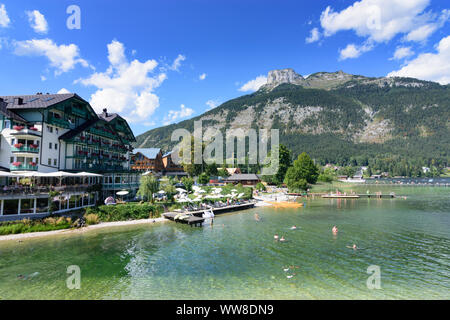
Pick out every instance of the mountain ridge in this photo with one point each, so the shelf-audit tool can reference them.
(359, 112)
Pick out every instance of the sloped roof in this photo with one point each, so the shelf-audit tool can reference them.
(38, 101)
(150, 153)
(72, 133)
(109, 117)
(243, 176)
(9, 114)
(233, 170)
(167, 154)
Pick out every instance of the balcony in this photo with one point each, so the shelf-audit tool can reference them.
(23, 167)
(25, 149)
(23, 132)
(60, 122)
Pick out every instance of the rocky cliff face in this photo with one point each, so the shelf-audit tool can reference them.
(277, 77)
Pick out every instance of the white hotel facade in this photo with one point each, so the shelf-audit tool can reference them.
(56, 144)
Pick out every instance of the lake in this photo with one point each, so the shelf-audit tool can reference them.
(238, 258)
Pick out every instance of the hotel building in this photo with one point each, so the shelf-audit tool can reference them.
(43, 134)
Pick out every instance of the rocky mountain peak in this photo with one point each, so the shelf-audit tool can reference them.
(288, 75)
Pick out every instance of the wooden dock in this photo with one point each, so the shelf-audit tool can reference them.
(192, 220)
(357, 196)
(196, 217)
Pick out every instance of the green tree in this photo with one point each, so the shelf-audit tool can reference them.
(188, 183)
(148, 186)
(211, 169)
(203, 178)
(260, 186)
(285, 156)
(302, 172)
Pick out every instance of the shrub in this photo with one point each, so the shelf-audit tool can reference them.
(91, 218)
(260, 186)
(123, 212)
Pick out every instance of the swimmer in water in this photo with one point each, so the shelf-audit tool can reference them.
(354, 247)
(282, 238)
(290, 276)
(334, 230)
(275, 237)
(293, 227)
(257, 218)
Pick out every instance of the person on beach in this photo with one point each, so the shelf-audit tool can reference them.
(334, 230)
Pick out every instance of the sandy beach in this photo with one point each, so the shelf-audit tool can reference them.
(22, 236)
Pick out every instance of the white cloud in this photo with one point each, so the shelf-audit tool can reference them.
(177, 62)
(43, 78)
(63, 90)
(202, 76)
(429, 66)
(212, 104)
(402, 52)
(352, 51)
(381, 20)
(126, 87)
(37, 21)
(63, 57)
(174, 115)
(4, 19)
(254, 85)
(422, 33)
(314, 36)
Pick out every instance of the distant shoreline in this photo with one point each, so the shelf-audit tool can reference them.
(30, 235)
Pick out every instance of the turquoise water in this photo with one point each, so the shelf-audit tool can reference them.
(237, 257)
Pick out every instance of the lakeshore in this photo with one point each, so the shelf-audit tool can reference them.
(30, 235)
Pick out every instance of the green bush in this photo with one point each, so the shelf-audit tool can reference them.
(91, 219)
(123, 212)
(260, 186)
(27, 225)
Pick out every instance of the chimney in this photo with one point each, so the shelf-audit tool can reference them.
(18, 101)
(105, 112)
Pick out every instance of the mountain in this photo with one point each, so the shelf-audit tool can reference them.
(336, 117)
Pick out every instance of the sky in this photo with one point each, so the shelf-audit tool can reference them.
(161, 62)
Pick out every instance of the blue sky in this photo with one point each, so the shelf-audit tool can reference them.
(145, 59)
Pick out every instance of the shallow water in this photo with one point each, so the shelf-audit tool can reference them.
(237, 257)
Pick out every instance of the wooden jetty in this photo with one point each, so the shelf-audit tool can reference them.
(196, 217)
(191, 220)
(357, 196)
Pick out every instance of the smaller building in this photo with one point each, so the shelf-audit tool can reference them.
(147, 159)
(170, 167)
(248, 179)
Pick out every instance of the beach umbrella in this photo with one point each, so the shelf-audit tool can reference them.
(122, 193)
(181, 190)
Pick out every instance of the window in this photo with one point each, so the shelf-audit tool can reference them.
(7, 124)
(56, 130)
(56, 146)
(50, 145)
(13, 141)
(11, 160)
(49, 161)
(55, 162)
(50, 129)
